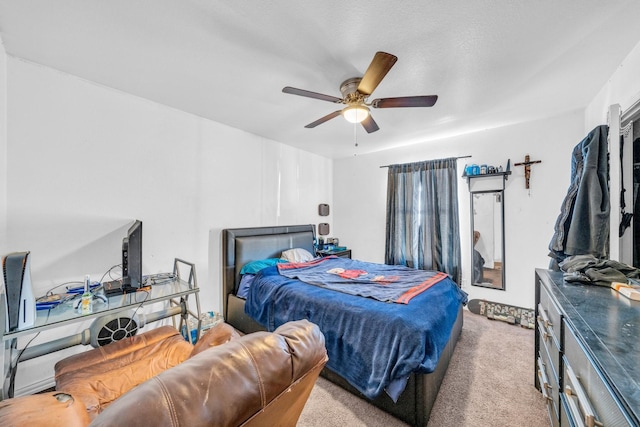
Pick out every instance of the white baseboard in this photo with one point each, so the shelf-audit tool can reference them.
(34, 388)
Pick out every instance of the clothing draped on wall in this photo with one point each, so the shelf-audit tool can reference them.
(582, 228)
(422, 228)
(625, 216)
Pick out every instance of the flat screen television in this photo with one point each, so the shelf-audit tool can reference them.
(132, 257)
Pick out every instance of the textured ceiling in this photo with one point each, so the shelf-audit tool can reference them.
(491, 62)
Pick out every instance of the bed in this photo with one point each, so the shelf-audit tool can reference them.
(243, 245)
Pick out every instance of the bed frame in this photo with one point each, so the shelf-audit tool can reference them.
(241, 245)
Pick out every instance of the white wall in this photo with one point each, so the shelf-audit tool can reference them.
(622, 88)
(360, 196)
(84, 161)
(3, 148)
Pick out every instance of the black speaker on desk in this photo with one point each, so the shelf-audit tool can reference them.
(20, 303)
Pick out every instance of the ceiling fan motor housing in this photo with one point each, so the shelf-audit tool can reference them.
(350, 86)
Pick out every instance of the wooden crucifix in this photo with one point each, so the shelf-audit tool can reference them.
(527, 168)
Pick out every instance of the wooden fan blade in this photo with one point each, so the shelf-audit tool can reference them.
(369, 124)
(309, 94)
(379, 67)
(405, 101)
(324, 119)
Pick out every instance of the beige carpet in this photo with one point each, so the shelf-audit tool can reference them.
(489, 383)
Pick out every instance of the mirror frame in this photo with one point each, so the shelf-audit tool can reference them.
(488, 184)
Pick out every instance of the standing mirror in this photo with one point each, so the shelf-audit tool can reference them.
(487, 230)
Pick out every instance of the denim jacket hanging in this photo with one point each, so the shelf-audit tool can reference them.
(582, 228)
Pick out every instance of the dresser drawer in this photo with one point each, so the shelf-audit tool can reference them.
(548, 385)
(549, 317)
(549, 346)
(589, 400)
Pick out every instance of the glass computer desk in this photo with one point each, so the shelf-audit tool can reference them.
(174, 293)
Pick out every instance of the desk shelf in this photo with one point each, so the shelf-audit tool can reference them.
(175, 292)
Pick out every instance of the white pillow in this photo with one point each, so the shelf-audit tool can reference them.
(296, 255)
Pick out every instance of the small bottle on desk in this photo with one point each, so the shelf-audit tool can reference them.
(86, 304)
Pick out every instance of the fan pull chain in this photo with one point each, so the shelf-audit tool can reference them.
(355, 133)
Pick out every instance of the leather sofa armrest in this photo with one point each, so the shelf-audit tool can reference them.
(215, 336)
(303, 337)
(46, 409)
(259, 379)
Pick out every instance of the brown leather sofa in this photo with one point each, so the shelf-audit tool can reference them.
(157, 378)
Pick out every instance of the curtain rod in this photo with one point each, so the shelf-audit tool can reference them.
(459, 157)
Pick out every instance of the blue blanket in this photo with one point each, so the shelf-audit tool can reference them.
(392, 283)
(370, 343)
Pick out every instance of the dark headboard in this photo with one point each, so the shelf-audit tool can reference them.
(241, 245)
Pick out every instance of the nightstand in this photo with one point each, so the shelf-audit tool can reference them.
(345, 253)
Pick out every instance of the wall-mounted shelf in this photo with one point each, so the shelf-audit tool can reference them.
(487, 181)
(487, 175)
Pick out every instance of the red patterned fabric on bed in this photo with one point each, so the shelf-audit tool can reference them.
(390, 283)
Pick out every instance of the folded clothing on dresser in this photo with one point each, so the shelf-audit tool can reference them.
(588, 269)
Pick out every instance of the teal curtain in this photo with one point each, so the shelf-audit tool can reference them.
(423, 229)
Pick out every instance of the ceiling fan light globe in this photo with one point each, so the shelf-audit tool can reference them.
(355, 113)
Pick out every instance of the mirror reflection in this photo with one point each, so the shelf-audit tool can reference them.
(487, 238)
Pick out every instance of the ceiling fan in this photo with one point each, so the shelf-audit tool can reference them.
(356, 91)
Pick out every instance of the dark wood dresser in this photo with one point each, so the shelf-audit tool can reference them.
(587, 353)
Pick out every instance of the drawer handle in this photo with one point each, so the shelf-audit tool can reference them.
(573, 409)
(542, 316)
(545, 334)
(577, 391)
(544, 381)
